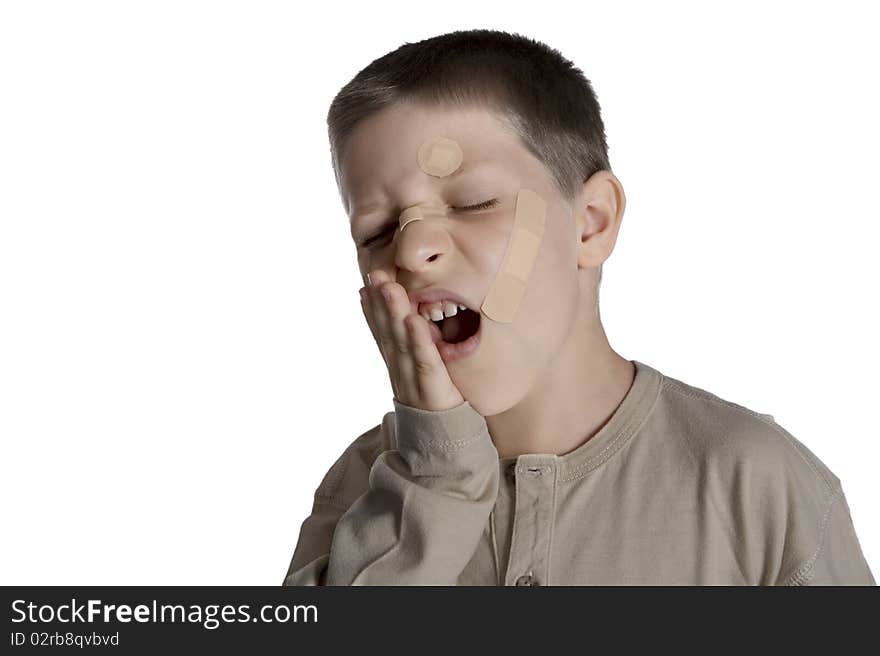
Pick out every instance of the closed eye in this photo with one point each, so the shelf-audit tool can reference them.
(479, 206)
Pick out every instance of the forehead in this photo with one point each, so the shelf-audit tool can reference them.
(381, 155)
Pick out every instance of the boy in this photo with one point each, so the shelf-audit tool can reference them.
(523, 450)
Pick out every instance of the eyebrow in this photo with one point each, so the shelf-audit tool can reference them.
(466, 167)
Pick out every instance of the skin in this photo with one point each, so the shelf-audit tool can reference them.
(549, 380)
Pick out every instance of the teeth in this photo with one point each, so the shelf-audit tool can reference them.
(439, 310)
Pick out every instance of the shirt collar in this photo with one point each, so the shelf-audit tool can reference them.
(623, 424)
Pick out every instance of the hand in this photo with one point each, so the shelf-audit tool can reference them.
(418, 374)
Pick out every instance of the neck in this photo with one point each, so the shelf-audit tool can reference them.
(578, 392)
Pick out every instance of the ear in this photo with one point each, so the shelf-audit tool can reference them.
(598, 211)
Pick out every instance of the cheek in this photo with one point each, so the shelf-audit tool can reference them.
(558, 257)
(547, 303)
(376, 259)
(485, 248)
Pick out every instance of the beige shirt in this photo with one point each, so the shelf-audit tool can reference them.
(679, 487)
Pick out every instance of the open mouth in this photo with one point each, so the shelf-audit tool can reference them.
(455, 329)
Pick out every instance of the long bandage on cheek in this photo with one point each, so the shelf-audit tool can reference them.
(441, 157)
(509, 285)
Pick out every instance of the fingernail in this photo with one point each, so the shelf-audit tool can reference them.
(386, 293)
(369, 280)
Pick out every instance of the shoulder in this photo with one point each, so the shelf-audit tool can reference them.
(348, 477)
(739, 440)
(775, 494)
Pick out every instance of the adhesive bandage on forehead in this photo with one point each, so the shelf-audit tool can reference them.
(441, 157)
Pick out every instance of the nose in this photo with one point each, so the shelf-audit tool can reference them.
(422, 243)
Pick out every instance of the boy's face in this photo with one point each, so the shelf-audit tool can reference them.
(380, 176)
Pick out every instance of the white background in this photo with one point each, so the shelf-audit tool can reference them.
(182, 351)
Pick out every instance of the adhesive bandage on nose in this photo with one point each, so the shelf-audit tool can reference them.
(441, 157)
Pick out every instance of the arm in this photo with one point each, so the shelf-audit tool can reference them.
(838, 558)
(309, 563)
(426, 505)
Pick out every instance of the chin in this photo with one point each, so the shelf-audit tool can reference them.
(491, 389)
(491, 397)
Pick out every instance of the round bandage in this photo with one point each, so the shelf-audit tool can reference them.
(440, 157)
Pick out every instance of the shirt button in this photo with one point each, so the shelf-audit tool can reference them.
(526, 579)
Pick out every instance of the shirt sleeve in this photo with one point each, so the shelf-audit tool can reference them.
(838, 557)
(424, 506)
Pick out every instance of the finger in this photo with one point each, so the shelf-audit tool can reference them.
(384, 328)
(379, 314)
(366, 308)
(396, 312)
(406, 364)
(397, 307)
(430, 373)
